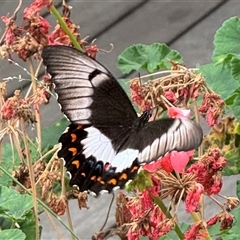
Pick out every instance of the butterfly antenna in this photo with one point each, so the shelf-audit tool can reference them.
(154, 112)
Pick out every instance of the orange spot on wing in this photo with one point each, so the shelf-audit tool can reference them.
(112, 181)
(73, 150)
(83, 174)
(76, 163)
(123, 176)
(99, 179)
(94, 178)
(134, 169)
(79, 126)
(74, 137)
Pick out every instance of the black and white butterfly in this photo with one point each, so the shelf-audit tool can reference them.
(106, 141)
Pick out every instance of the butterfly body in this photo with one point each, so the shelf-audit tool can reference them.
(106, 141)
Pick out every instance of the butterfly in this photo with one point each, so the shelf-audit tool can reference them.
(107, 142)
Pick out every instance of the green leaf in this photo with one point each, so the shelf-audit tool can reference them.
(237, 129)
(4, 222)
(236, 107)
(9, 160)
(172, 234)
(233, 163)
(227, 41)
(230, 99)
(10, 202)
(140, 182)
(219, 79)
(238, 189)
(51, 134)
(28, 226)
(235, 65)
(12, 234)
(147, 57)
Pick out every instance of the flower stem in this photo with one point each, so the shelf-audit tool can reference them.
(196, 218)
(159, 202)
(65, 28)
(63, 193)
(32, 179)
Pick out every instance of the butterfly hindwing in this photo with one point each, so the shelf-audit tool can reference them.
(88, 172)
(159, 137)
(155, 139)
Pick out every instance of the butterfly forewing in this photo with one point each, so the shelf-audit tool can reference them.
(87, 92)
(106, 143)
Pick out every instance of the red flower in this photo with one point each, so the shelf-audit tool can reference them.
(213, 220)
(179, 160)
(92, 51)
(10, 107)
(212, 107)
(170, 96)
(226, 221)
(35, 7)
(225, 218)
(174, 112)
(133, 233)
(194, 233)
(26, 40)
(153, 166)
(159, 224)
(193, 198)
(59, 37)
(137, 95)
(140, 205)
(172, 161)
(163, 162)
(208, 171)
(9, 37)
(166, 163)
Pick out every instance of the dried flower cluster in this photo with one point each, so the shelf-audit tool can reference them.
(16, 107)
(180, 88)
(142, 216)
(176, 89)
(211, 107)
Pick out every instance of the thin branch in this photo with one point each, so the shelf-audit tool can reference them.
(32, 179)
(108, 213)
(12, 19)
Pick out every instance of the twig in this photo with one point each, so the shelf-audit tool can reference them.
(54, 225)
(108, 213)
(38, 118)
(12, 18)
(32, 179)
(63, 193)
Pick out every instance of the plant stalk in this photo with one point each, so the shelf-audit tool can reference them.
(32, 179)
